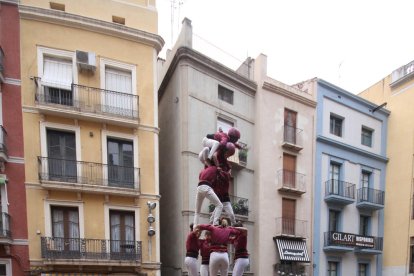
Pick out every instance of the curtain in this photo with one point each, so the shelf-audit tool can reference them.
(57, 72)
(115, 232)
(74, 230)
(130, 232)
(58, 229)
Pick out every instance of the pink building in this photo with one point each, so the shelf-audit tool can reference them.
(13, 222)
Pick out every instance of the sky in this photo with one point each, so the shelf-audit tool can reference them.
(350, 43)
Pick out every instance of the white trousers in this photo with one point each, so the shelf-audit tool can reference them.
(229, 211)
(212, 144)
(205, 191)
(219, 261)
(204, 155)
(239, 266)
(204, 270)
(191, 264)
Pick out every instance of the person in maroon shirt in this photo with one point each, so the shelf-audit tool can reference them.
(220, 237)
(241, 257)
(205, 253)
(192, 247)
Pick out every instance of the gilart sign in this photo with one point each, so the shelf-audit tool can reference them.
(347, 239)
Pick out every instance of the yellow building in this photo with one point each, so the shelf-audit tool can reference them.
(396, 91)
(90, 121)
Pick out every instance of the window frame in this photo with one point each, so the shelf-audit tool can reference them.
(107, 223)
(225, 119)
(337, 220)
(332, 127)
(8, 264)
(225, 92)
(371, 135)
(411, 264)
(104, 62)
(337, 266)
(367, 220)
(48, 215)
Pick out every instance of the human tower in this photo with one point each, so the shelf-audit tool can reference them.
(213, 184)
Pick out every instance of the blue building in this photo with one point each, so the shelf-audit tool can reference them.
(349, 186)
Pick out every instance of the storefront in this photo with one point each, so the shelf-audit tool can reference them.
(293, 255)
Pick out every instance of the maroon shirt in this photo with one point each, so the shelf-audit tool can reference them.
(240, 245)
(205, 251)
(192, 245)
(222, 137)
(219, 236)
(208, 176)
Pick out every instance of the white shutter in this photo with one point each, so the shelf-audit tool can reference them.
(57, 72)
(118, 80)
(224, 125)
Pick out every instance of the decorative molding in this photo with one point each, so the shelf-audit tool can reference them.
(20, 242)
(149, 7)
(91, 24)
(14, 2)
(30, 109)
(11, 81)
(16, 160)
(288, 92)
(150, 196)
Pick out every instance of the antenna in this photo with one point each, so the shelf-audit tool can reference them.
(172, 21)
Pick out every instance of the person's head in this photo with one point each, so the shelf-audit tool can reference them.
(192, 227)
(224, 222)
(230, 149)
(207, 235)
(234, 134)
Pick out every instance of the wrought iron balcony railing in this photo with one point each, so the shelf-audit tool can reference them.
(240, 155)
(3, 140)
(291, 227)
(339, 188)
(5, 225)
(292, 137)
(87, 99)
(240, 205)
(63, 170)
(371, 196)
(378, 244)
(90, 249)
(291, 181)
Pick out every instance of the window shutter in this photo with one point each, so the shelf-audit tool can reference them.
(57, 72)
(118, 80)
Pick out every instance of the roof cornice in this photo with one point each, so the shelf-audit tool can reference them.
(288, 92)
(91, 24)
(185, 53)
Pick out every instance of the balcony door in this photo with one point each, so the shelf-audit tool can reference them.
(65, 229)
(118, 95)
(288, 216)
(289, 170)
(334, 173)
(365, 179)
(122, 234)
(290, 126)
(61, 151)
(120, 163)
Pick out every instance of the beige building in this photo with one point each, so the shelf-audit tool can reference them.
(90, 119)
(396, 93)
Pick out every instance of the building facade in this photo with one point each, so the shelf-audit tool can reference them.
(350, 169)
(395, 91)
(197, 95)
(284, 158)
(14, 250)
(90, 119)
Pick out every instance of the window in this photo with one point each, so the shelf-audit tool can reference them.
(366, 137)
(224, 124)
(334, 177)
(5, 267)
(3, 271)
(120, 163)
(61, 152)
(365, 183)
(364, 225)
(335, 127)
(334, 221)
(288, 216)
(333, 268)
(65, 228)
(122, 232)
(225, 94)
(362, 269)
(412, 255)
(57, 80)
(290, 126)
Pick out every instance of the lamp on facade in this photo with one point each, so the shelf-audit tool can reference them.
(151, 230)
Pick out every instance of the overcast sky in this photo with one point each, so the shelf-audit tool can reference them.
(350, 43)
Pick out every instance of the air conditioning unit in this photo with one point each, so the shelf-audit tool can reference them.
(86, 60)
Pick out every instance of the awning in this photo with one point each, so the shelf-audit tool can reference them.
(71, 274)
(292, 250)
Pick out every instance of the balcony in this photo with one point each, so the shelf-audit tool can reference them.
(370, 199)
(1, 65)
(3, 145)
(70, 251)
(291, 182)
(88, 103)
(333, 242)
(339, 192)
(79, 176)
(240, 206)
(374, 250)
(239, 158)
(5, 233)
(293, 228)
(292, 138)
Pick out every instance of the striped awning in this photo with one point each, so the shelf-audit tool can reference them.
(292, 250)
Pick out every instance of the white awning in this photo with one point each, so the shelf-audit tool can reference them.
(292, 250)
